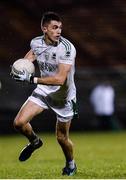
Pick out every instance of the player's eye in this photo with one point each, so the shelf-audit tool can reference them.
(54, 27)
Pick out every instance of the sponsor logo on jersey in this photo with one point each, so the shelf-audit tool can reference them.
(44, 66)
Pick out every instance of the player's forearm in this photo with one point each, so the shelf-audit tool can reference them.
(52, 80)
(30, 56)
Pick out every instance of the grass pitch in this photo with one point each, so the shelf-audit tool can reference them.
(98, 156)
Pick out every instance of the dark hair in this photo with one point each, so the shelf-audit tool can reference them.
(49, 16)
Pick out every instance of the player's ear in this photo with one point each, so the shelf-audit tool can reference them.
(44, 29)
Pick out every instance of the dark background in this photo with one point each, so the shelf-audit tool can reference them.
(96, 28)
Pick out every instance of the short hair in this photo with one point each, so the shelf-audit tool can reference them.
(50, 16)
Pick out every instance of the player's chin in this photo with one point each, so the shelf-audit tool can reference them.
(56, 39)
(55, 42)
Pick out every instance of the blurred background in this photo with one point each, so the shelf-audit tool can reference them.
(96, 28)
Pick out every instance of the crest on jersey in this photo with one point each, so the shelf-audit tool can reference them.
(46, 56)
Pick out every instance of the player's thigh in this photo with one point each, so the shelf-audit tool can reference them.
(28, 111)
(62, 128)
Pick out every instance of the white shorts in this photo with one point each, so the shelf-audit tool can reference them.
(64, 113)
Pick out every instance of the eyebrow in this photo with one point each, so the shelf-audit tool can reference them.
(55, 25)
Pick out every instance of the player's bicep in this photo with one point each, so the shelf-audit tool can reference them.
(63, 71)
(30, 56)
(64, 68)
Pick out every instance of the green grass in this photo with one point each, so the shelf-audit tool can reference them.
(98, 156)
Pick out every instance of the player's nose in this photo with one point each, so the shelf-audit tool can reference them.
(59, 31)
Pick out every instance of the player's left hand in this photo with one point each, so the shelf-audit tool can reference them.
(24, 77)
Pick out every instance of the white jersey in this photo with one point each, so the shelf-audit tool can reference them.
(48, 58)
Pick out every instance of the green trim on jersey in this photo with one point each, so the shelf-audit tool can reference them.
(66, 43)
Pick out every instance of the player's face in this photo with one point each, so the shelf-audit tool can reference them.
(52, 31)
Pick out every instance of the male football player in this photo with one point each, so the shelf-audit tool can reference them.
(55, 88)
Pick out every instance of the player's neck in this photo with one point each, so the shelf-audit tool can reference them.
(50, 42)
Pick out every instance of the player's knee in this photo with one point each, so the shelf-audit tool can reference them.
(17, 123)
(62, 139)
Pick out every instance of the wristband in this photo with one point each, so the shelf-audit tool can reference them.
(35, 80)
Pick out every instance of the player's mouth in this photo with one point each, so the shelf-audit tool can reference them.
(57, 37)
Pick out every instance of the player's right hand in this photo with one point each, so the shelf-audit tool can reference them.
(24, 77)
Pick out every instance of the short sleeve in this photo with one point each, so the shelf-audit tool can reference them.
(67, 54)
(36, 45)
